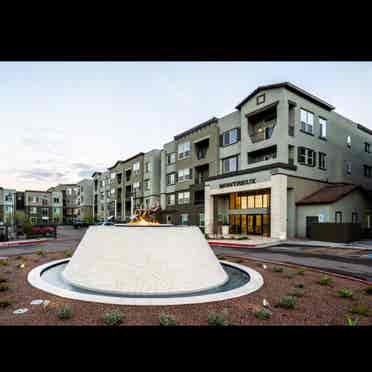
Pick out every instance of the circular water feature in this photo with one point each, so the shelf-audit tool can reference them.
(242, 280)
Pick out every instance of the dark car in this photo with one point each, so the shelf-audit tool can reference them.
(78, 224)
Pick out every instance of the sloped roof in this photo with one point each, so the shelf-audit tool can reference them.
(292, 88)
(196, 127)
(328, 194)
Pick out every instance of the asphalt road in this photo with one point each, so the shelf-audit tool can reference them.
(69, 238)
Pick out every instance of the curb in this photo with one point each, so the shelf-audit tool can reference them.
(23, 243)
(233, 245)
(353, 279)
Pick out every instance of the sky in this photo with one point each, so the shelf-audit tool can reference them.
(61, 121)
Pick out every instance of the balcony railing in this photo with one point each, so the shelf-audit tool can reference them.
(201, 154)
(262, 136)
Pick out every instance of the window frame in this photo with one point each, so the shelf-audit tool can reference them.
(258, 102)
(236, 157)
(305, 128)
(323, 125)
(338, 213)
(324, 156)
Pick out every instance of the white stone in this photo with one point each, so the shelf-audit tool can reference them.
(36, 302)
(144, 260)
(20, 311)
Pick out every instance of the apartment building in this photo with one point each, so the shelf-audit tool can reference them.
(186, 164)
(281, 146)
(37, 207)
(101, 195)
(70, 207)
(85, 199)
(7, 205)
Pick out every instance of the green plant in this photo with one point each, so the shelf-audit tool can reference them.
(4, 287)
(296, 292)
(5, 303)
(243, 238)
(368, 290)
(112, 317)
(64, 312)
(3, 280)
(324, 280)
(300, 272)
(290, 274)
(277, 269)
(300, 285)
(218, 318)
(167, 320)
(27, 227)
(287, 302)
(206, 236)
(41, 252)
(4, 262)
(263, 314)
(360, 310)
(345, 293)
(67, 253)
(351, 321)
(221, 257)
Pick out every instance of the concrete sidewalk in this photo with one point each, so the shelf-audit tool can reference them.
(17, 243)
(360, 245)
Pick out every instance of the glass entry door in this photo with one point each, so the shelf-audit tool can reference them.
(258, 224)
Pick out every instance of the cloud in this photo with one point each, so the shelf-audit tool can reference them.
(82, 166)
(40, 174)
(86, 173)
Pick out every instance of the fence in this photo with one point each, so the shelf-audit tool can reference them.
(335, 232)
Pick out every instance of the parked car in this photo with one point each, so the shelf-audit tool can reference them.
(78, 223)
(105, 223)
(42, 230)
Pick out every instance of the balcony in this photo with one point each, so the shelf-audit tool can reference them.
(262, 154)
(262, 134)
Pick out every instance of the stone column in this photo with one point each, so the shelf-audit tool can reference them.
(208, 211)
(279, 206)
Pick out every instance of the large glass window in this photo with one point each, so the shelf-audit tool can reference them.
(184, 175)
(230, 164)
(230, 137)
(171, 158)
(323, 127)
(184, 219)
(184, 197)
(322, 161)
(171, 179)
(183, 150)
(306, 156)
(258, 199)
(307, 121)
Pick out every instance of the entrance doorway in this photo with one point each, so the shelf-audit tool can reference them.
(256, 224)
(309, 221)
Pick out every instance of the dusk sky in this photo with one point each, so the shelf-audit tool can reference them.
(61, 121)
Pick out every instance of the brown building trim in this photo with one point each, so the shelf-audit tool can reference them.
(253, 170)
(262, 109)
(197, 127)
(126, 160)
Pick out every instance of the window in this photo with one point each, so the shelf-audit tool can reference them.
(322, 161)
(112, 191)
(367, 171)
(33, 210)
(171, 199)
(260, 99)
(184, 175)
(147, 167)
(112, 175)
(184, 197)
(201, 219)
(44, 202)
(136, 186)
(348, 141)
(44, 212)
(184, 219)
(171, 158)
(33, 220)
(8, 197)
(183, 150)
(147, 185)
(307, 121)
(171, 179)
(230, 164)
(338, 217)
(69, 191)
(354, 217)
(56, 200)
(136, 167)
(306, 156)
(323, 128)
(348, 167)
(367, 147)
(230, 137)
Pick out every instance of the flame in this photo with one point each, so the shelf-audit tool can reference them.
(141, 221)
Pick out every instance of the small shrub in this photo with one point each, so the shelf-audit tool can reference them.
(64, 312)
(41, 252)
(4, 262)
(242, 238)
(287, 302)
(3, 280)
(221, 257)
(218, 318)
(345, 293)
(112, 317)
(167, 320)
(5, 303)
(300, 272)
(300, 285)
(368, 290)
(263, 314)
(360, 310)
(290, 274)
(67, 253)
(296, 292)
(277, 269)
(324, 280)
(4, 287)
(351, 321)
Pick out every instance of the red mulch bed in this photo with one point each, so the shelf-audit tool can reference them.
(320, 305)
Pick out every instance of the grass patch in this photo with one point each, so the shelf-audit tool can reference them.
(5, 303)
(4, 262)
(277, 269)
(167, 320)
(67, 253)
(351, 321)
(360, 310)
(300, 272)
(112, 317)
(4, 287)
(64, 312)
(218, 318)
(368, 290)
(242, 238)
(345, 293)
(263, 314)
(41, 252)
(324, 280)
(290, 274)
(287, 302)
